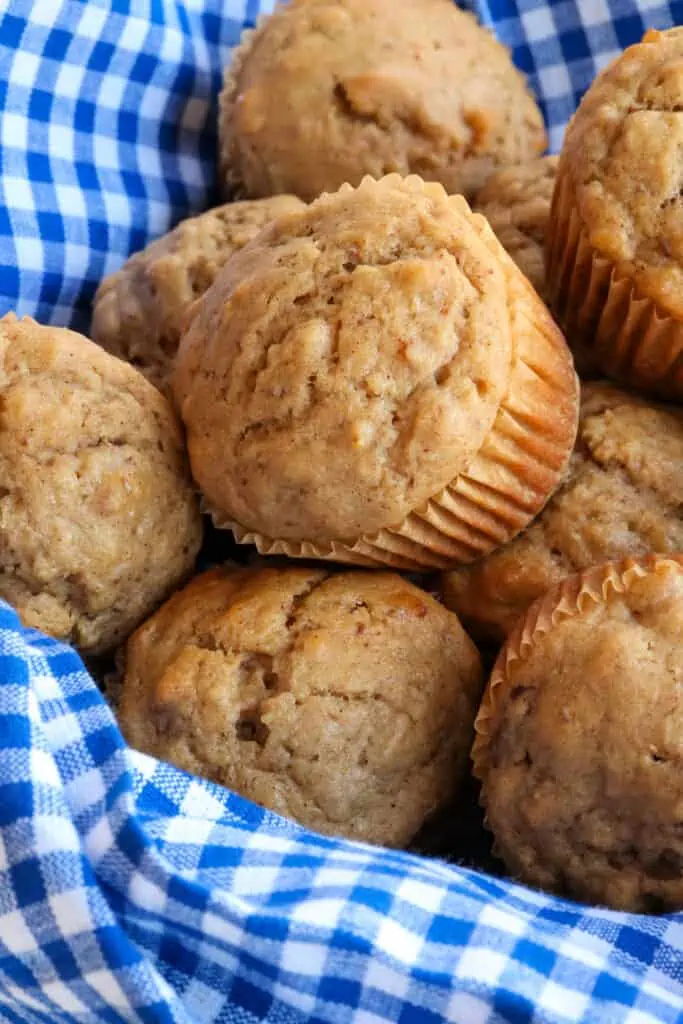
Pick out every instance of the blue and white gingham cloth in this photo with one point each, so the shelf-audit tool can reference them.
(129, 890)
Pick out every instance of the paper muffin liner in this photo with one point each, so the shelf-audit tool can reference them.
(563, 601)
(508, 480)
(610, 324)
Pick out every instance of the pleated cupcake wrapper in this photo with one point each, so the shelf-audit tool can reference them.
(509, 479)
(612, 327)
(568, 599)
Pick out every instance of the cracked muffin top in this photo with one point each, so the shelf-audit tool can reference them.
(623, 496)
(327, 91)
(516, 203)
(140, 310)
(622, 153)
(98, 517)
(343, 701)
(580, 739)
(347, 364)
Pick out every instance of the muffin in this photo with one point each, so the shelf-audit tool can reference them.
(343, 701)
(98, 517)
(139, 310)
(328, 91)
(580, 739)
(374, 381)
(615, 236)
(516, 203)
(623, 496)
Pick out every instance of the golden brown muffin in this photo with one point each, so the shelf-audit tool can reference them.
(580, 739)
(327, 91)
(516, 203)
(98, 518)
(343, 701)
(374, 381)
(615, 238)
(139, 311)
(623, 496)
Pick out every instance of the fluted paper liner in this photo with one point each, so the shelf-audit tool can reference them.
(564, 601)
(611, 326)
(509, 479)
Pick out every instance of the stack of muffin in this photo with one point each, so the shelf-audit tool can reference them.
(369, 382)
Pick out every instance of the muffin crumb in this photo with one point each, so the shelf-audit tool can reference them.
(325, 92)
(122, 526)
(343, 701)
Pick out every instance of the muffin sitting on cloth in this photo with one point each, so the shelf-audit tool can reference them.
(372, 380)
(623, 496)
(516, 203)
(343, 701)
(327, 91)
(139, 311)
(580, 739)
(98, 517)
(615, 237)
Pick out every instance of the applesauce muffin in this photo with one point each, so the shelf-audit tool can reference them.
(343, 701)
(325, 92)
(375, 381)
(139, 310)
(98, 517)
(623, 496)
(516, 203)
(580, 739)
(615, 236)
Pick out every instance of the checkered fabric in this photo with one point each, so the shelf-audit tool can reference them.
(131, 891)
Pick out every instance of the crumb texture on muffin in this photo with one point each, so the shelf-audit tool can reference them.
(344, 367)
(325, 92)
(622, 157)
(614, 261)
(139, 310)
(98, 518)
(380, 374)
(622, 496)
(343, 701)
(580, 743)
(516, 203)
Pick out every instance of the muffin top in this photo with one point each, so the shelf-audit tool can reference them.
(580, 744)
(623, 496)
(98, 518)
(140, 310)
(327, 91)
(344, 701)
(516, 202)
(347, 364)
(622, 152)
